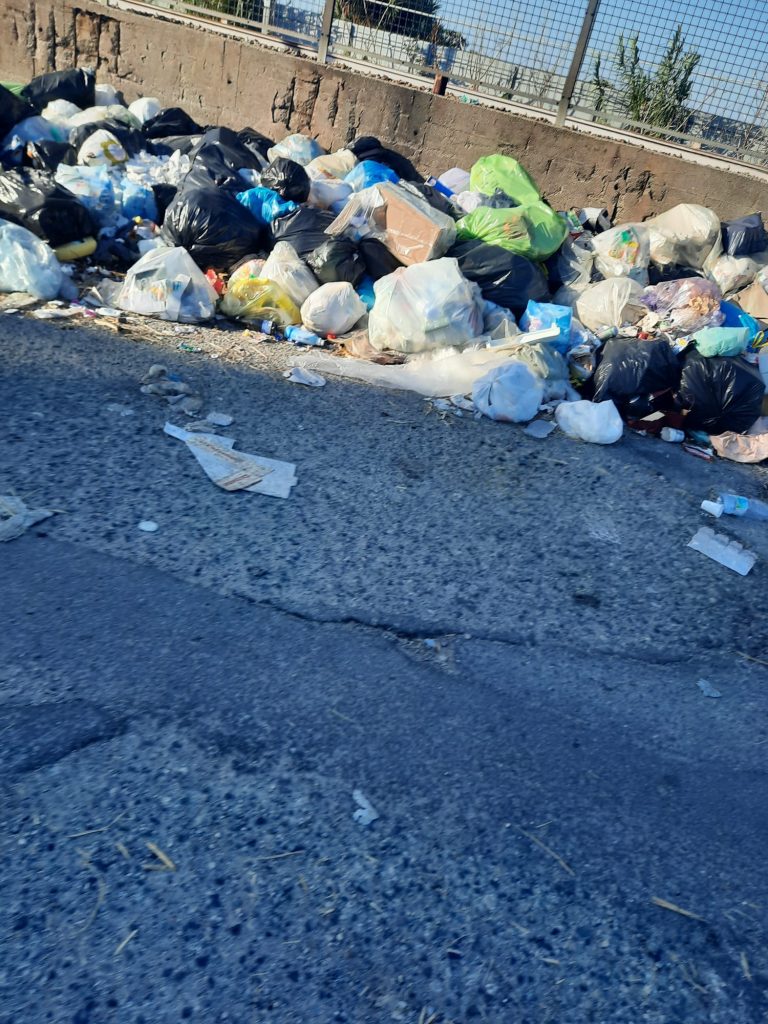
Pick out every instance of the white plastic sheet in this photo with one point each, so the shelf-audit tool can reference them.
(596, 422)
(27, 264)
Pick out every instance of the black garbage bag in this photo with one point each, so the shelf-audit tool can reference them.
(234, 151)
(46, 155)
(75, 86)
(131, 139)
(212, 226)
(304, 228)
(670, 272)
(337, 259)
(172, 143)
(378, 260)
(287, 178)
(435, 199)
(722, 393)
(369, 148)
(255, 141)
(172, 121)
(629, 371)
(35, 200)
(13, 109)
(744, 236)
(164, 195)
(504, 277)
(217, 159)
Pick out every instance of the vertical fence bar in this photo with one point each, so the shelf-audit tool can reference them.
(578, 59)
(325, 31)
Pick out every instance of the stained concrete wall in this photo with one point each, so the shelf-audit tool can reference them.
(221, 80)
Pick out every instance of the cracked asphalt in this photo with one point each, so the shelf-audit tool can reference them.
(496, 639)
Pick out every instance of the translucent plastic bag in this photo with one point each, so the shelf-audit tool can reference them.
(60, 111)
(605, 304)
(425, 307)
(539, 315)
(328, 192)
(511, 393)
(167, 284)
(623, 251)
(250, 296)
(574, 261)
(297, 147)
(145, 108)
(286, 269)
(732, 273)
(33, 129)
(93, 187)
(332, 165)
(102, 149)
(404, 222)
(105, 95)
(682, 307)
(687, 235)
(27, 264)
(722, 341)
(332, 309)
(369, 172)
(596, 422)
(505, 174)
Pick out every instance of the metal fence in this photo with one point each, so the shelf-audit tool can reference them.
(692, 72)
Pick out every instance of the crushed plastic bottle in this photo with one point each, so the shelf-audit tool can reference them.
(748, 508)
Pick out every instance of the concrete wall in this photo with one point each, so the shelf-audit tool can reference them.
(221, 80)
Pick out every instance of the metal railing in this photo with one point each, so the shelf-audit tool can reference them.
(681, 71)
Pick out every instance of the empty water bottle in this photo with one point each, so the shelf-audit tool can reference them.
(749, 508)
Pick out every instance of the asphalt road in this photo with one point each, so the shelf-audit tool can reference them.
(496, 639)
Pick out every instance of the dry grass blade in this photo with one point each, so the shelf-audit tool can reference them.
(166, 864)
(748, 657)
(98, 829)
(666, 905)
(124, 942)
(101, 893)
(281, 856)
(745, 966)
(547, 849)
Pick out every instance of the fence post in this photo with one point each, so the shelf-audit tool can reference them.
(325, 31)
(576, 61)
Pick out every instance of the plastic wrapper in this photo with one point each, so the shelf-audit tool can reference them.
(101, 149)
(722, 341)
(367, 173)
(299, 148)
(629, 368)
(337, 259)
(264, 204)
(250, 296)
(27, 264)
(332, 309)
(39, 203)
(623, 251)
(284, 267)
(720, 394)
(687, 234)
(166, 283)
(504, 173)
(609, 303)
(744, 236)
(405, 223)
(75, 85)
(305, 228)
(171, 121)
(367, 147)
(511, 393)
(145, 109)
(503, 277)
(539, 315)
(681, 307)
(425, 307)
(596, 422)
(93, 188)
(287, 178)
(212, 226)
(331, 165)
(12, 110)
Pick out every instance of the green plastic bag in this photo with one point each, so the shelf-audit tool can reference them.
(505, 173)
(722, 341)
(534, 231)
(15, 87)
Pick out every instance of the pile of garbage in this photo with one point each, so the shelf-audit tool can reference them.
(467, 287)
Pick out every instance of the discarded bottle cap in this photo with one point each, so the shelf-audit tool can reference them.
(715, 508)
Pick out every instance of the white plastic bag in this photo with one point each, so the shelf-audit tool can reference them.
(102, 149)
(284, 267)
(299, 148)
(168, 284)
(732, 273)
(332, 309)
(27, 264)
(327, 192)
(511, 393)
(687, 235)
(608, 303)
(425, 307)
(331, 165)
(145, 108)
(106, 95)
(624, 251)
(596, 422)
(60, 111)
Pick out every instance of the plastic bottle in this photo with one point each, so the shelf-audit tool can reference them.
(670, 434)
(301, 336)
(749, 508)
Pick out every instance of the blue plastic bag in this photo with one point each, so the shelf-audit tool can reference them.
(369, 172)
(735, 317)
(265, 205)
(539, 315)
(365, 290)
(138, 200)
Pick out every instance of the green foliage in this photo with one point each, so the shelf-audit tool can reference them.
(415, 18)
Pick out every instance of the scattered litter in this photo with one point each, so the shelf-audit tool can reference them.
(236, 471)
(723, 550)
(219, 419)
(119, 408)
(16, 517)
(540, 428)
(366, 813)
(299, 375)
(708, 689)
(148, 526)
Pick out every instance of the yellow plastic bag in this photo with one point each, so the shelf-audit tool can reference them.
(250, 297)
